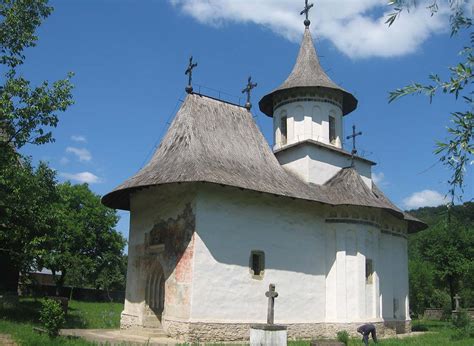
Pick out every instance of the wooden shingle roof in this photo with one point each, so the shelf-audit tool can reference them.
(308, 73)
(212, 141)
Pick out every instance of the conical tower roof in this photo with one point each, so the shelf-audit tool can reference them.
(308, 73)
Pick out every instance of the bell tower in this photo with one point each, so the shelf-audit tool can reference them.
(308, 111)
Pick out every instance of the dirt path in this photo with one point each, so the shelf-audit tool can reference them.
(6, 340)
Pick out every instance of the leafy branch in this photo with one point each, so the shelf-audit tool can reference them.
(457, 151)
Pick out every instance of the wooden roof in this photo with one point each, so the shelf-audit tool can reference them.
(308, 73)
(212, 141)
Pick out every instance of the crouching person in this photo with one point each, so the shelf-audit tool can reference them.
(365, 330)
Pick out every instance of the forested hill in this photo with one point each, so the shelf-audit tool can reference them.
(463, 213)
(441, 258)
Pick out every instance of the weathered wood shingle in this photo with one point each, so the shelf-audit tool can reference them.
(213, 141)
(308, 74)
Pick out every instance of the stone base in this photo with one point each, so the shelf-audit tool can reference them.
(211, 332)
(128, 321)
(265, 334)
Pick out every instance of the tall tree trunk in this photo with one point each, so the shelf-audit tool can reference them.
(60, 282)
(9, 274)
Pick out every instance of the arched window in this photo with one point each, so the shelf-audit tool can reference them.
(332, 129)
(283, 129)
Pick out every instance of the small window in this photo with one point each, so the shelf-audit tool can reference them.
(369, 271)
(283, 130)
(332, 129)
(257, 264)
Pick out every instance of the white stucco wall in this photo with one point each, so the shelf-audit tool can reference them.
(315, 164)
(393, 274)
(230, 224)
(318, 267)
(315, 255)
(307, 120)
(147, 208)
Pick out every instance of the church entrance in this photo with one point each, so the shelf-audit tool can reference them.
(155, 292)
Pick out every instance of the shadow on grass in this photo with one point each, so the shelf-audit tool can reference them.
(24, 311)
(28, 311)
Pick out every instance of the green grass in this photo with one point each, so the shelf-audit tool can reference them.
(439, 334)
(19, 321)
(93, 315)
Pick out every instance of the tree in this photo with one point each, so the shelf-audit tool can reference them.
(25, 217)
(26, 115)
(84, 246)
(442, 260)
(26, 112)
(456, 153)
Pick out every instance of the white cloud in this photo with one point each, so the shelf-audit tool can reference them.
(356, 27)
(81, 153)
(79, 138)
(425, 198)
(82, 177)
(379, 178)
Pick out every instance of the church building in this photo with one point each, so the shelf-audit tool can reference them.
(217, 215)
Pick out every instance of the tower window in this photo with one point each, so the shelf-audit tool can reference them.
(257, 264)
(332, 129)
(369, 271)
(283, 130)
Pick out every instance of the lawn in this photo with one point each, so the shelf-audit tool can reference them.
(19, 323)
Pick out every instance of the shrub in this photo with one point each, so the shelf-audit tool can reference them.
(343, 336)
(52, 316)
(462, 325)
(461, 320)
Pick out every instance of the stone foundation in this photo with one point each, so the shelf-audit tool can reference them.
(212, 332)
(128, 321)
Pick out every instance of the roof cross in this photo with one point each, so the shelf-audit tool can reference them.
(307, 7)
(189, 72)
(353, 136)
(247, 90)
(271, 294)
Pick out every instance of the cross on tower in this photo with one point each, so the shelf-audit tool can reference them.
(247, 90)
(306, 12)
(353, 136)
(189, 72)
(271, 294)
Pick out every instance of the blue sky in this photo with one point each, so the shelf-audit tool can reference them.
(129, 59)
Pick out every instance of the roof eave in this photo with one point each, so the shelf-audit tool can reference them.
(349, 102)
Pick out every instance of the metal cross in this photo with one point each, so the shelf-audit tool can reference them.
(247, 90)
(353, 136)
(189, 72)
(271, 294)
(306, 12)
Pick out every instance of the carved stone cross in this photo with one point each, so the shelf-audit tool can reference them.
(457, 298)
(247, 90)
(271, 294)
(353, 136)
(189, 72)
(306, 12)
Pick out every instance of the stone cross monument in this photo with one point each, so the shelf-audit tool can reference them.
(271, 294)
(269, 333)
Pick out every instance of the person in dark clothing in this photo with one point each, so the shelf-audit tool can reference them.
(365, 330)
